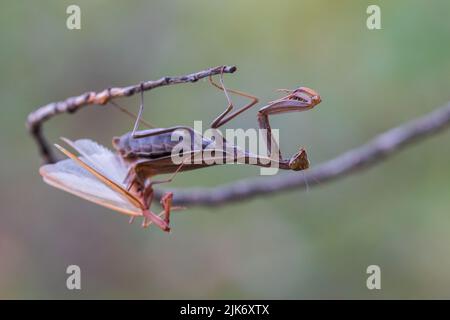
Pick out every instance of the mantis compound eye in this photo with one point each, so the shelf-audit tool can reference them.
(299, 161)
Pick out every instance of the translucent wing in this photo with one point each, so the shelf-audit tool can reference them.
(100, 158)
(81, 177)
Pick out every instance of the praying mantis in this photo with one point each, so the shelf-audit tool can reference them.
(124, 181)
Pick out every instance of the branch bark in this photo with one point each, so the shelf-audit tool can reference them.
(36, 119)
(352, 161)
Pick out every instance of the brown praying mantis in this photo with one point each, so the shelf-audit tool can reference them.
(124, 181)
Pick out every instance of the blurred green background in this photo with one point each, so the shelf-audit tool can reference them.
(314, 244)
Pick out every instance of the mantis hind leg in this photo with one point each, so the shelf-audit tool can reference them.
(163, 223)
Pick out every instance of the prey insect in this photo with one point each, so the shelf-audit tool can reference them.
(124, 181)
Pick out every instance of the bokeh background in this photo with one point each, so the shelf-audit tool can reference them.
(314, 244)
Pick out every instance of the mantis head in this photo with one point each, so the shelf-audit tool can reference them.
(302, 94)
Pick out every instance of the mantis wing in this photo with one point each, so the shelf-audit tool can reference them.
(100, 158)
(76, 176)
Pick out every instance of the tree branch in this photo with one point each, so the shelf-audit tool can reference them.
(363, 157)
(73, 104)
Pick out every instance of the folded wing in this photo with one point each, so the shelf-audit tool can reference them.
(95, 176)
